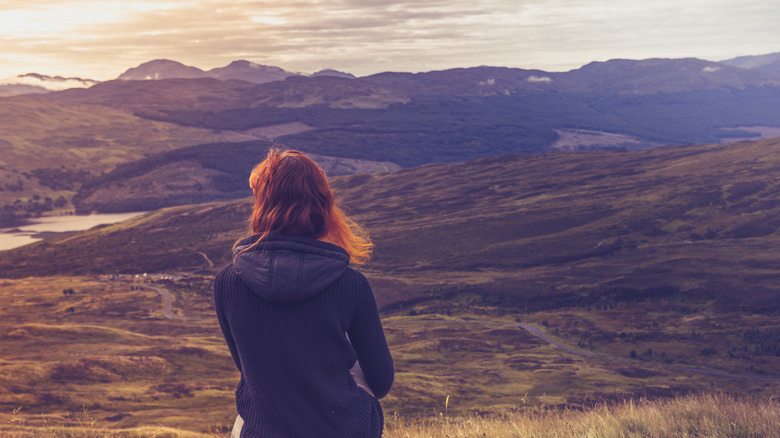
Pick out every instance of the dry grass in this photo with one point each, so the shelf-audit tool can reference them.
(84, 425)
(115, 356)
(131, 368)
(691, 416)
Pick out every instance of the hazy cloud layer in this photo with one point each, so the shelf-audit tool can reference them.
(102, 39)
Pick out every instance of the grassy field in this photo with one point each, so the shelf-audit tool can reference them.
(691, 416)
(105, 353)
(106, 348)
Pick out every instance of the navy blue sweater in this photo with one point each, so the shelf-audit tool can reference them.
(284, 307)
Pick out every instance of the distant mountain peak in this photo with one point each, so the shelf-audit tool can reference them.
(244, 70)
(753, 61)
(332, 72)
(162, 69)
(242, 63)
(769, 63)
(157, 63)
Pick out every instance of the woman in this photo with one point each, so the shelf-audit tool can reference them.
(296, 317)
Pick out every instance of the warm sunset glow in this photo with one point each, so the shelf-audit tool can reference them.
(68, 19)
(268, 19)
(99, 39)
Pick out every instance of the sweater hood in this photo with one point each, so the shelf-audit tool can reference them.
(288, 269)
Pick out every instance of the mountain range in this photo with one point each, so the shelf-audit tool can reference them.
(34, 83)
(256, 73)
(77, 143)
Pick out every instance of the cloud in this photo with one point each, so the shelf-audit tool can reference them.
(303, 35)
(545, 79)
(101, 39)
(42, 20)
(50, 83)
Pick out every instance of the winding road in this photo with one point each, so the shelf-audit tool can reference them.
(166, 295)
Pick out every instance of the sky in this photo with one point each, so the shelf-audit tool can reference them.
(101, 39)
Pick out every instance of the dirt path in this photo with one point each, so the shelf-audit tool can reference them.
(538, 333)
(616, 360)
(532, 330)
(208, 260)
(166, 295)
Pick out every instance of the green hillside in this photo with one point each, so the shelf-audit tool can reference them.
(190, 175)
(699, 218)
(48, 149)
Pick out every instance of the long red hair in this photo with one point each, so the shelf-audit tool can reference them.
(292, 196)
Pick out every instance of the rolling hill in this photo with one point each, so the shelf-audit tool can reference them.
(531, 229)
(48, 149)
(52, 144)
(769, 63)
(194, 174)
(651, 76)
(463, 114)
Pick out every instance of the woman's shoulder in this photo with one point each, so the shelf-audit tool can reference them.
(356, 278)
(224, 277)
(224, 272)
(357, 287)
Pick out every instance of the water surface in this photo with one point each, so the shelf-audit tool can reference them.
(32, 232)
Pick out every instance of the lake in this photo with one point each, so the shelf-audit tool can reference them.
(25, 234)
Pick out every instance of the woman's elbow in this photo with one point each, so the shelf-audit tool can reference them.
(382, 387)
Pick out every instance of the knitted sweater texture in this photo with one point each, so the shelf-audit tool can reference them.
(286, 306)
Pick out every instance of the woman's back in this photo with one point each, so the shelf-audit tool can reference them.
(285, 306)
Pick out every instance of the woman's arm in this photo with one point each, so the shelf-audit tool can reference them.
(368, 340)
(221, 283)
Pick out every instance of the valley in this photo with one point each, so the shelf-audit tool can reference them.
(655, 269)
